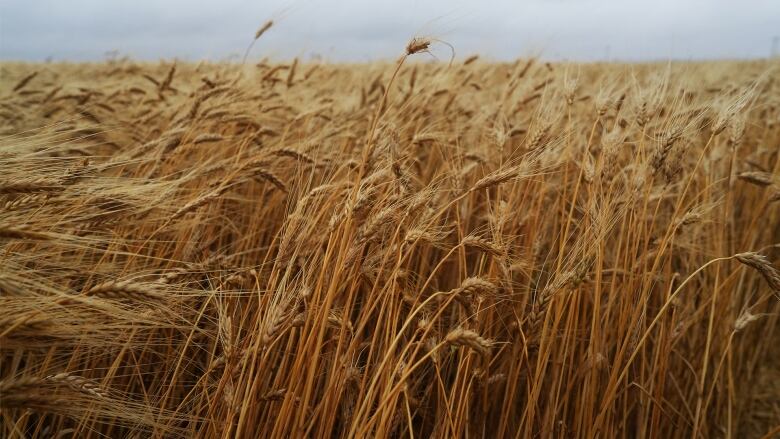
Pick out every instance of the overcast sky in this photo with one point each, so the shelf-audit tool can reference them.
(357, 30)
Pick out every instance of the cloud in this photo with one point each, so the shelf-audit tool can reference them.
(358, 30)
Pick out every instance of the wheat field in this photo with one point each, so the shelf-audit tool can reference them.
(416, 248)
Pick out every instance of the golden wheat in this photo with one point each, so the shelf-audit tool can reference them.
(406, 249)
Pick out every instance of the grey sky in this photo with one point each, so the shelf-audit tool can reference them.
(355, 30)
